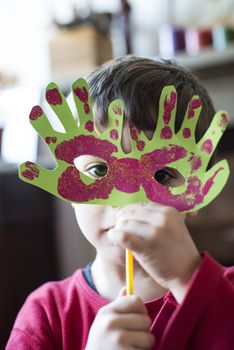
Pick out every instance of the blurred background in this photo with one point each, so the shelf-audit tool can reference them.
(48, 40)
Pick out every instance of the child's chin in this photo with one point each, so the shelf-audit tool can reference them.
(117, 256)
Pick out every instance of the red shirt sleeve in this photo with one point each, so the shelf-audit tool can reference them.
(36, 326)
(205, 319)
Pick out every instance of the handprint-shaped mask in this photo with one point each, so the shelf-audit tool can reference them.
(120, 178)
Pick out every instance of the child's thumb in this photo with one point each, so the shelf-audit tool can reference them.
(122, 292)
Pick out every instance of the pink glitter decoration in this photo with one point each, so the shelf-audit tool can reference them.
(194, 104)
(53, 97)
(127, 176)
(195, 162)
(207, 146)
(50, 139)
(71, 187)
(166, 133)
(114, 134)
(35, 113)
(32, 172)
(117, 110)
(210, 182)
(82, 94)
(169, 105)
(186, 133)
(133, 131)
(86, 108)
(79, 145)
(223, 120)
(140, 145)
(89, 125)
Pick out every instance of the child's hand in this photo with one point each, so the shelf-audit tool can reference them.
(121, 325)
(160, 242)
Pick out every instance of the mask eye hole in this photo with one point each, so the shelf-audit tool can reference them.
(92, 166)
(169, 177)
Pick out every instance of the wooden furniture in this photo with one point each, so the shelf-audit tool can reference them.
(27, 249)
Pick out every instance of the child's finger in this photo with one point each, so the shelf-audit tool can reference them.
(58, 103)
(130, 238)
(122, 292)
(166, 114)
(82, 100)
(128, 304)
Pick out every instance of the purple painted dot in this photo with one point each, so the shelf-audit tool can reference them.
(117, 110)
(209, 183)
(89, 125)
(86, 108)
(223, 120)
(166, 133)
(116, 122)
(48, 139)
(114, 134)
(82, 94)
(35, 113)
(166, 116)
(186, 133)
(140, 145)
(53, 97)
(207, 146)
(191, 113)
(195, 162)
(195, 103)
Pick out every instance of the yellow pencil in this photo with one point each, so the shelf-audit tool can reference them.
(129, 272)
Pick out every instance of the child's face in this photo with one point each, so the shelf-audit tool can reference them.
(95, 220)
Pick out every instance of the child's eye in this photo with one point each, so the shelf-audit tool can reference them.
(96, 171)
(163, 176)
(169, 177)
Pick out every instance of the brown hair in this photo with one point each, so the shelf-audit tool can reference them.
(139, 82)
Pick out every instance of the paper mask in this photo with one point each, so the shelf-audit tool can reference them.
(128, 178)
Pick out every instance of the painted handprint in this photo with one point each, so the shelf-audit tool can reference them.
(120, 178)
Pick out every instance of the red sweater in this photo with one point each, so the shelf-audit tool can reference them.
(59, 315)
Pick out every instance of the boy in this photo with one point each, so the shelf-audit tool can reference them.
(184, 299)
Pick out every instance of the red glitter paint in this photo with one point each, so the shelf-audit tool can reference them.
(53, 97)
(223, 120)
(82, 94)
(89, 125)
(169, 105)
(50, 139)
(140, 145)
(207, 146)
(114, 134)
(86, 108)
(194, 104)
(195, 162)
(210, 182)
(117, 110)
(36, 113)
(166, 133)
(72, 188)
(80, 145)
(31, 172)
(127, 176)
(186, 133)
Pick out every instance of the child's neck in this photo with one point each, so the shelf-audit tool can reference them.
(109, 278)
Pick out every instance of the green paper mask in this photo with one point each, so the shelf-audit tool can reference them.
(127, 178)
